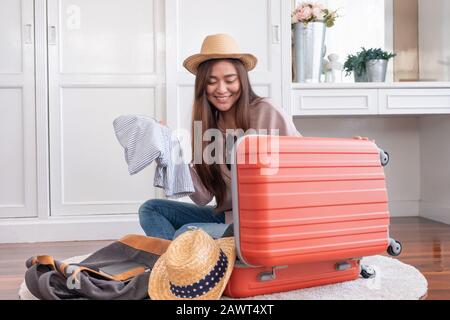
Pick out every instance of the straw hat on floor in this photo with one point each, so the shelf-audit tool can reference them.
(194, 267)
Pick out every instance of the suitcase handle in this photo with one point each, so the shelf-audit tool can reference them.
(270, 275)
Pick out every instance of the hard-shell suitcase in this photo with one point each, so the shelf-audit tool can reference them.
(305, 211)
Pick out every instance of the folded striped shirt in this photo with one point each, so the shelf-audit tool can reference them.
(144, 140)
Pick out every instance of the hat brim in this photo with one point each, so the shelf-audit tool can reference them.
(159, 283)
(191, 63)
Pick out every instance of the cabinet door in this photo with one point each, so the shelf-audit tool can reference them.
(105, 60)
(415, 101)
(255, 24)
(17, 110)
(334, 102)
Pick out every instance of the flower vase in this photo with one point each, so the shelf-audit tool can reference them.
(309, 44)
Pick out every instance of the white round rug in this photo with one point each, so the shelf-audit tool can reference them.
(394, 281)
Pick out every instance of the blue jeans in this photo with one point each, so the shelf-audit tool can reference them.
(167, 219)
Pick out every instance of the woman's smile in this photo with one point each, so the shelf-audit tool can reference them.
(223, 99)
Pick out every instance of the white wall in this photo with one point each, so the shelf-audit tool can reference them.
(435, 167)
(434, 40)
(399, 136)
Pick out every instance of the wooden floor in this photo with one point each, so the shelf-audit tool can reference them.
(426, 245)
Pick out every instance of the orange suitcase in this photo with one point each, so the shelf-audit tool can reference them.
(305, 211)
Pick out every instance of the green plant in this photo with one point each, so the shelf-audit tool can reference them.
(357, 62)
(376, 54)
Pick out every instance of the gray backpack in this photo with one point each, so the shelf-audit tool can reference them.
(120, 270)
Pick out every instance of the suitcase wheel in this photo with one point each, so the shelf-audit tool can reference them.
(395, 248)
(367, 272)
(384, 157)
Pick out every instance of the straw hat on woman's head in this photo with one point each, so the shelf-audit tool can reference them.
(195, 266)
(219, 46)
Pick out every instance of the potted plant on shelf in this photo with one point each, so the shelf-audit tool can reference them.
(376, 64)
(368, 65)
(356, 63)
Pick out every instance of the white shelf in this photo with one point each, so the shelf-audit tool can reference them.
(370, 85)
(409, 98)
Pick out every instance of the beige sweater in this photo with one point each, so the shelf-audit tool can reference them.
(263, 115)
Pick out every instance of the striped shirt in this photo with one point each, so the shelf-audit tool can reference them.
(144, 139)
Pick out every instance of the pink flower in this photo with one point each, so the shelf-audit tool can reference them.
(312, 12)
(304, 14)
(318, 13)
(319, 5)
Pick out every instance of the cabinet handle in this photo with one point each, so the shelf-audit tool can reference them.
(52, 35)
(276, 34)
(28, 33)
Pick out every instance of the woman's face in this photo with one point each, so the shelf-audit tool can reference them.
(223, 88)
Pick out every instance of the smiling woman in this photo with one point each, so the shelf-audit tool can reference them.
(225, 106)
(223, 100)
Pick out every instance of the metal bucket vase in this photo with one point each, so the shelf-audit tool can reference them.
(376, 70)
(309, 43)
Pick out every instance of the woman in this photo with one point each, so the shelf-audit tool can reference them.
(224, 99)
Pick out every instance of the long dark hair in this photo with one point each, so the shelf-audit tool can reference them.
(205, 112)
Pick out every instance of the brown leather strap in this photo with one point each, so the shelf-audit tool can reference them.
(148, 244)
(45, 260)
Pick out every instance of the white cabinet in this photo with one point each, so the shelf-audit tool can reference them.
(100, 69)
(370, 99)
(414, 101)
(17, 110)
(334, 102)
(69, 67)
